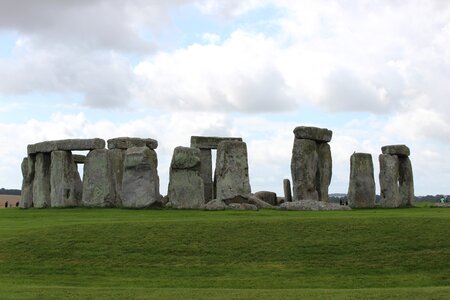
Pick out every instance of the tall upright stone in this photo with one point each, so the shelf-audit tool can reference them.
(98, 180)
(41, 184)
(231, 175)
(206, 173)
(361, 190)
(311, 163)
(396, 177)
(304, 169)
(140, 185)
(117, 157)
(389, 175)
(287, 190)
(26, 198)
(65, 182)
(186, 188)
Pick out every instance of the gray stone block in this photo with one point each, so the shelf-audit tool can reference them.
(313, 133)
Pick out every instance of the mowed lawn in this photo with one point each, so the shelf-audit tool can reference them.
(266, 254)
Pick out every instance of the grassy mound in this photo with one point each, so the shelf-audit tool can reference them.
(113, 253)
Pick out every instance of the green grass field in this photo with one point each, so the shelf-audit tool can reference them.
(267, 254)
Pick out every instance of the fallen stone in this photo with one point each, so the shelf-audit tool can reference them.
(210, 142)
(304, 168)
(361, 190)
(324, 171)
(236, 199)
(66, 145)
(78, 158)
(400, 150)
(66, 188)
(41, 183)
(258, 202)
(125, 143)
(186, 188)
(215, 204)
(287, 190)
(322, 135)
(140, 185)
(312, 205)
(231, 173)
(268, 197)
(242, 206)
(98, 180)
(389, 181)
(440, 205)
(280, 200)
(26, 197)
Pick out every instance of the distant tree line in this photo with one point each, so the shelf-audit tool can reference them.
(4, 191)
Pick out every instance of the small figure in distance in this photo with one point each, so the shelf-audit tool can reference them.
(442, 199)
(340, 201)
(17, 204)
(6, 204)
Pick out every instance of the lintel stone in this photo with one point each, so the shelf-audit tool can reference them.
(313, 133)
(66, 145)
(400, 150)
(131, 142)
(210, 142)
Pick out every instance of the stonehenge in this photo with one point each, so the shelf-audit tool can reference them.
(125, 174)
(361, 190)
(311, 163)
(396, 177)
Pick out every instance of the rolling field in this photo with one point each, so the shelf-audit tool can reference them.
(267, 254)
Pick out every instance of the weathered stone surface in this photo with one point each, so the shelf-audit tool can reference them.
(304, 168)
(78, 158)
(206, 173)
(26, 198)
(231, 173)
(186, 158)
(400, 150)
(125, 143)
(41, 183)
(268, 197)
(313, 133)
(242, 206)
(215, 204)
(287, 190)
(389, 181)
(140, 185)
(98, 180)
(258, 202)
(325, 171)
(210, 142)
(236, 199)
(312, 205)
(66, 145)
(65, 183)
(280, 200)
(361, 190)
(186, 188)
(117, 157)
(406, 182)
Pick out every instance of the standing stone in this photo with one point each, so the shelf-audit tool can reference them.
(406, 182)
(186, 188)
(287, 190)
(117, 157)
(41, 184)
(206, 173)
(361, 191)
(304, 169)
(231, 174)
(66, 187)
(98, 180)
(325, 170)
(389, 181)
(140, 185)
(26, 199)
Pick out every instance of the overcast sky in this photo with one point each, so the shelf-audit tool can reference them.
(374, 72)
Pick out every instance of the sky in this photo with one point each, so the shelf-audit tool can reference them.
(374, 72)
